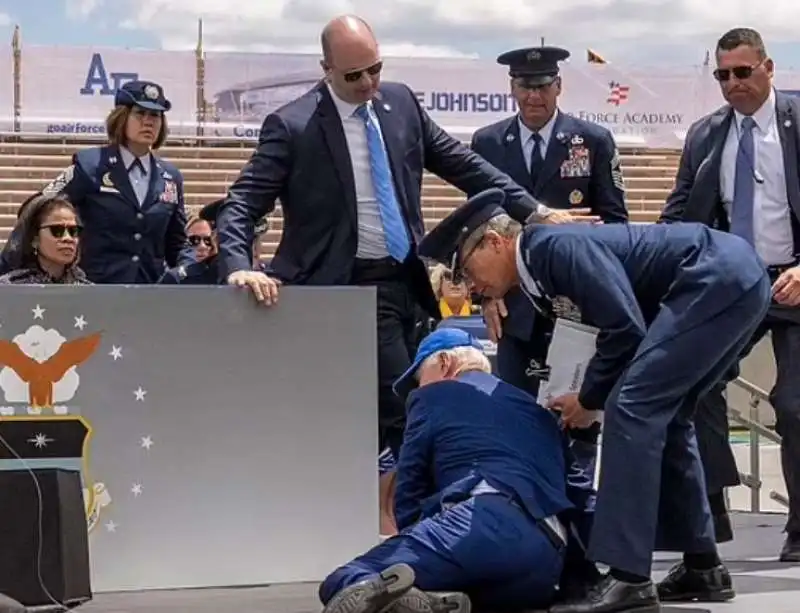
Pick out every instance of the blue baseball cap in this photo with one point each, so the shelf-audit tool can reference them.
(438, 340)
(144, 94)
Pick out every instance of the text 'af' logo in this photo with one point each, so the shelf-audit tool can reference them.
(617, 93)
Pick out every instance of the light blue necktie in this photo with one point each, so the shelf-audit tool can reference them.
(744, 187)
(394, 227)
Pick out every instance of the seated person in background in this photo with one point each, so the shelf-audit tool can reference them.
(480, 483)
(46, 244)
(453, 296)
(201, 236)
(24, 206)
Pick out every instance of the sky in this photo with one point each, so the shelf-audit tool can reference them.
(644, 32)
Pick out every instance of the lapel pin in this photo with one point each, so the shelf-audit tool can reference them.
(509, 138)
(387, 108)
(112, 159)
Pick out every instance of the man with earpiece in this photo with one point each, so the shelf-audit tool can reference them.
(739, 173)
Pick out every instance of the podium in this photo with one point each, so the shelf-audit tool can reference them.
(43, 538)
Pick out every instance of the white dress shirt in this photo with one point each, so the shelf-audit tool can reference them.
(371, 237)
(772, 223)
(527, 142)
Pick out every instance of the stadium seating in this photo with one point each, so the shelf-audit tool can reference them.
(27, 165)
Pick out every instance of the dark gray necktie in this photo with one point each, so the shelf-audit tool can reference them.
(744, 187)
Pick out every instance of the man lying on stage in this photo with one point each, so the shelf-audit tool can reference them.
(674, 306)
(481, 479)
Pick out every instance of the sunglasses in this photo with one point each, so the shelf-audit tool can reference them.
(740, 72)
(355, 75)
(60, 230)
(195, 240)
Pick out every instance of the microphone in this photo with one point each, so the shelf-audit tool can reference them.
(758, 178)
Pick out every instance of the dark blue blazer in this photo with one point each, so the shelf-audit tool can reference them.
(697, 197)
(478, 427)
(302, 159)
(195, 273)
(499, 144)
(123, 242)
(621, 275)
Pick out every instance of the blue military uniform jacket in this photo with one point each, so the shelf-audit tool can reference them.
(206, 272)
(195, 273)
(461, 432)
(618, 276)
(124, 242)
(581, 167)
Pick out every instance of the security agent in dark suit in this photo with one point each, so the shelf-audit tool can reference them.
(739, 173)
(346, 160)
(130, 201)
(480, 486)
(205, 271)
(674, 305)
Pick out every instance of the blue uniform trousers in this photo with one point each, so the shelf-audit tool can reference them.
(652, 488)
(485, 546)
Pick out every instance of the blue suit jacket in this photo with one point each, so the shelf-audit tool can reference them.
(478, 427)
(499, 144)
(302, 159)
(697, 197)
(621, 275)
(123, 242)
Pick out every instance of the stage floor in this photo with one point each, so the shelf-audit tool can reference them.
(762, 583)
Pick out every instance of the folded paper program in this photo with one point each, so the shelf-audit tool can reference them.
(572, 346)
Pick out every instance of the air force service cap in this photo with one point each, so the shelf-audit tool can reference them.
(537, 66)
(443, 243)
(144, 94)
(438, 340)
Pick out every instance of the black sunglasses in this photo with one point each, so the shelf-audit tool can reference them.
(60, 230)
(355, 75)
(740, 72)
(195, 240)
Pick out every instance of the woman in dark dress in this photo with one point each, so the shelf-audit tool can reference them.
(46, 244)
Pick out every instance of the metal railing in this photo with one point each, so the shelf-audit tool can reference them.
(757, 431)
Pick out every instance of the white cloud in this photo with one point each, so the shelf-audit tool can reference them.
(5, 19)
(81, 9)
(620, 29)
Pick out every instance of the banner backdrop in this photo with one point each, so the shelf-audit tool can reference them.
(209, 456)
(646, 107)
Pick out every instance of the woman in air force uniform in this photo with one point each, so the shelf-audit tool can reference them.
(130, 201)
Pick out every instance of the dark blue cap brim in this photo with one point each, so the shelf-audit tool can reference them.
(533, 79)
(406, 382)
(153, 106)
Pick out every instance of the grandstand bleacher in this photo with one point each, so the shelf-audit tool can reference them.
(27, 165)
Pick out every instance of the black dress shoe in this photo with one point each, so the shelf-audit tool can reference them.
(723, 530)
(614, 596)
(684, 584)
(791, 549)
(375, 594)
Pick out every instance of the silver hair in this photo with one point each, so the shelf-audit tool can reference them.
(466, 359)
(504, 225)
